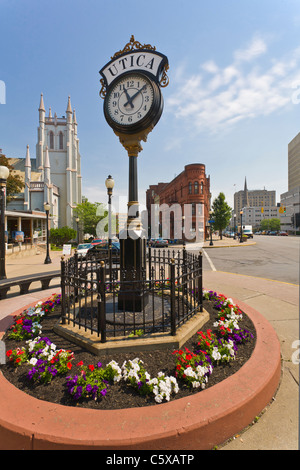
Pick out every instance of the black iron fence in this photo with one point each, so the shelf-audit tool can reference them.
(170, 287)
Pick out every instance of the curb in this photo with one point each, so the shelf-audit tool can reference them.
(241, 245)
(198, 422)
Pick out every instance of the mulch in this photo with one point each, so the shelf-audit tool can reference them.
(120, 395)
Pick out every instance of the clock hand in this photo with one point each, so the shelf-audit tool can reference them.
(134, 96)
(128, 97)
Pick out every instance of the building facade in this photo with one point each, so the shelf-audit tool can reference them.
(294, 163)
(290, 200)
(254, 215)
(189, 190)
(54, 176)
(253, 198)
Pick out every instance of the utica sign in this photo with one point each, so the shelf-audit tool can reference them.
(141, 60)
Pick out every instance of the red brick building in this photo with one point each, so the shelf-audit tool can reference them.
(190, 187)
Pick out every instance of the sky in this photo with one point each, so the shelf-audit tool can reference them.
(232, 103)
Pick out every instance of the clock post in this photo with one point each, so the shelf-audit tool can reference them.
(133, 105)
(133, 237)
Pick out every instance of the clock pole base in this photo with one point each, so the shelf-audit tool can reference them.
(132, 295)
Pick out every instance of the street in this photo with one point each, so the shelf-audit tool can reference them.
(272, 257)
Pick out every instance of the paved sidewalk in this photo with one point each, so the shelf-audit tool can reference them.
(277, 428)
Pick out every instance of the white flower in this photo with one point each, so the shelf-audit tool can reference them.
(33, 361)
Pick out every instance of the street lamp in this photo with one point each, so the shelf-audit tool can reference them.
(77, 226)
(234, 229)
(47, 209)
(241, 239)
(4, 172)
(109, 183)
(210, 223)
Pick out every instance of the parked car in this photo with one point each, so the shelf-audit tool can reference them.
(272, 232)
(82, 249)
(283, 234)
(160, 243)
(96, 241)
(103, 246)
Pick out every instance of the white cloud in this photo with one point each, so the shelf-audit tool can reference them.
(220, 97)
(256, 48)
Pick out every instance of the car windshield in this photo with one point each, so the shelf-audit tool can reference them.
(84, 246)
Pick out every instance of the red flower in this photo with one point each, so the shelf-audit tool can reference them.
(80, 363)
(69, 365)
(9, 352)
(91, 367)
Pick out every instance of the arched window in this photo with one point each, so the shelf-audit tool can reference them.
(61, 141)
(196, 187)
(51, 138)
(190, 188)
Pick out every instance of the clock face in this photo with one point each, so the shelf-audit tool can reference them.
(129, 100)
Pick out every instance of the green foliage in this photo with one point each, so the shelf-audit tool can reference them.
(59, 236)
(87, 213)
(221, 213)
(14, 184)
(270, 224)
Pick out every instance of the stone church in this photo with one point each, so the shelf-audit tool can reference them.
(54, 176)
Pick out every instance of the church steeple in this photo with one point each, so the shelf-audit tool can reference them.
(245, 202)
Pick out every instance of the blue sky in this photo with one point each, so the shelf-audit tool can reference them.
(233, 102)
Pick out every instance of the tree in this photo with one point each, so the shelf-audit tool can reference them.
(14, 184)
(59, 236)
(221, 214)
(270, 224)
(87, 213)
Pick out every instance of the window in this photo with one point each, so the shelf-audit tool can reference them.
(190, 188)
(196, 187)
(61, 141)
(201, 187)
(51, 138)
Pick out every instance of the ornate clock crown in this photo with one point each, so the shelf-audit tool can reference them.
(134, 45)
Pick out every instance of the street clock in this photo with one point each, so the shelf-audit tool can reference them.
(131, 85)
(133, 103)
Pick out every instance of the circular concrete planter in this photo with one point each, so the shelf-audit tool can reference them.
(197, 422)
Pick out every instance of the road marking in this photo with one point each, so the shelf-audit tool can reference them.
(210, 261)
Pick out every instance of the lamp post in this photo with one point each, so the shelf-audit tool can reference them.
(234, 228)
(47, 209)
(210, 223)
(109, 183)
(4, 172)
(241, 239)
(77, 226)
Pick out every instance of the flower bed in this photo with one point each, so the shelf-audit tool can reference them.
(207, 358)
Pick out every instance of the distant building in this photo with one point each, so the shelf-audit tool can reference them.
(290, 200)
(254, 215)
(191, 186)
(294, 163)
(253, 198)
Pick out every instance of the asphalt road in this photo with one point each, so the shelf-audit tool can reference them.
(272, 257)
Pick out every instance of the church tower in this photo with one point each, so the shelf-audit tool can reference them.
(58, 161)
